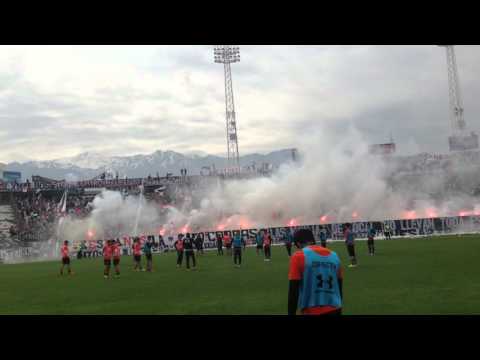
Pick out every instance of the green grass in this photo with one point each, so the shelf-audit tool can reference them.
(439, 275)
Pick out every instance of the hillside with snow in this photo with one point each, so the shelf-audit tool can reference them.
(90, 164)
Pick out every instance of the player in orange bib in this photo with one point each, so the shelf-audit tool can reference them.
(227, 241)
(116, 250)
(107, 258)
(137, 255)
(179, 247)
(65, 252)
(315, 278)
(267, 243)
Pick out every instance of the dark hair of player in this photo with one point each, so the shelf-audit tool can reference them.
(303, 236)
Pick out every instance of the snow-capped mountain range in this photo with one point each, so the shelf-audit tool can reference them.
(90, 164)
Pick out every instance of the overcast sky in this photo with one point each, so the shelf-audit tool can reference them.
(59, 101)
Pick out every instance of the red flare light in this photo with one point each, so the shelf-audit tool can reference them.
(431, 213)
(90, 234)
(220, 227)
(161, 232)
(245, 223)
(292, 222)
(276, 215)
(185, 229)
(465, 213)
(410, 215)
(354, 215)
(323, 219)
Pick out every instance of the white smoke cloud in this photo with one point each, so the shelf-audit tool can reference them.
(336, 178)
(336, 181)
(113, 215)
(71, 177)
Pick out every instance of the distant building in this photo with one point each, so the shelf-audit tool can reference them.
(11, 176)
(463, 142)
(294, 155)
(382, 149)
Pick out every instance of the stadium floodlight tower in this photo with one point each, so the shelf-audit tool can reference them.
(227, 54)
(459, 139)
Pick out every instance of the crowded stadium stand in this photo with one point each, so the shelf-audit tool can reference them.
(29, 210)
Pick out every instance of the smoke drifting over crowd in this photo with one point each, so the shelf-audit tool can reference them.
(335, 181)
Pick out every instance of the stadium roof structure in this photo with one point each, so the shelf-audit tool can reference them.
(44, 180)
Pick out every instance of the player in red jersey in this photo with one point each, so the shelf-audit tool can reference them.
(107, 258)
(227, 241)
(179, 247)
(116, 251)
(267, 243)
(65, 258)
(137, 254)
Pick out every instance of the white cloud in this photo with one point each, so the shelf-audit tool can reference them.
(60, 100)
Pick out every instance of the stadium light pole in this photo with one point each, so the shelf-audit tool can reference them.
(456, 103)
(227, 54)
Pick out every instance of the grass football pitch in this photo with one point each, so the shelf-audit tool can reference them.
(423, 276)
